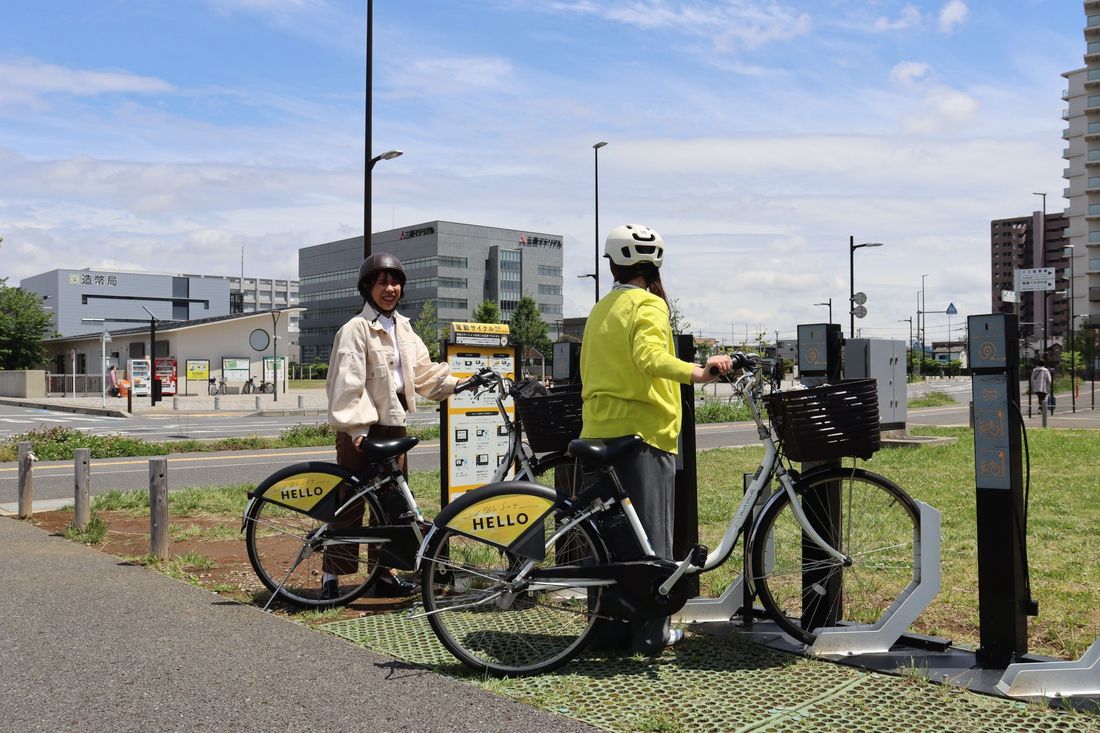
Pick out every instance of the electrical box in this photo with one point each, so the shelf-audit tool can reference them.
(567, 362)
(883, 360)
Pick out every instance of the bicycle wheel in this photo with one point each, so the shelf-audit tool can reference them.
(284, 550)
(222, 388)
(247, 388)
(267, 387)
(878, 528)
(212, 388)
(494, 628)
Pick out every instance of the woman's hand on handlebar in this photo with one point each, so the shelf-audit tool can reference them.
(716, 365)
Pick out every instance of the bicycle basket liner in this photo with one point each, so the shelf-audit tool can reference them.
(552, 420)
(827, 422)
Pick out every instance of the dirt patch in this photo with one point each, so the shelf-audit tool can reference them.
(218, 540)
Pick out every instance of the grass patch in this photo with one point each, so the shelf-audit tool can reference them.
(58, 443)
(93, 534)
(721, 411)
(932, 399)
(189, 502)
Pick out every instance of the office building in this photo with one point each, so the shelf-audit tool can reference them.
(1023, 243)
(89, 301)
(456, 266)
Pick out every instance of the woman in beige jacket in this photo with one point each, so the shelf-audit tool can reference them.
(377, 368)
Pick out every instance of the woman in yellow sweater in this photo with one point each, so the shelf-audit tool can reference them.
(631, 377)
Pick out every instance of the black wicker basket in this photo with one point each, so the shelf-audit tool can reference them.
(551, 421)
(827, 422)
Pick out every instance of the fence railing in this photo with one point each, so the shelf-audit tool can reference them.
(74, 384)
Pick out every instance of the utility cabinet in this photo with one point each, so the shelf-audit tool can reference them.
(884, 360)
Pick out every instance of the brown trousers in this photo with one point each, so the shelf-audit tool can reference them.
(344, 560)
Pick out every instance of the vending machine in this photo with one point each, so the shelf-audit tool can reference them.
(166, 373)
(140, 377)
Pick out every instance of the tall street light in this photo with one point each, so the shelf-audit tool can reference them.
(1072, 332)
(1042, 246)
(852, 247)
(388, 155)
(921, 323)
(596, 238)
(830, 307)
(908, 320)
(367, 162)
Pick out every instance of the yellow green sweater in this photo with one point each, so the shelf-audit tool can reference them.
(631, 377)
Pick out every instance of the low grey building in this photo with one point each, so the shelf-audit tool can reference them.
(457, 266)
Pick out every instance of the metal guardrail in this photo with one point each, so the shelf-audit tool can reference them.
(65, 385)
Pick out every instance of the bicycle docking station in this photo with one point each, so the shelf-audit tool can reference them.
(1004, 597)
(883, 645)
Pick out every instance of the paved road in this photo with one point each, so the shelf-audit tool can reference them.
(93, 645)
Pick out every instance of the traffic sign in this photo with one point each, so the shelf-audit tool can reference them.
(859, 298)
(952, 310)
(1039, 278)
(1008, 296)
(859, 311)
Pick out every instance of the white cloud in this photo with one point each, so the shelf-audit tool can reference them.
(908, 73)
(733, 25)
(451, 75)
(953, 15)
(910, 16)
(27, 81)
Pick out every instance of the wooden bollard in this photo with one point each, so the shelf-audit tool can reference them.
(158, 508)
(82, 499)
(26, 481)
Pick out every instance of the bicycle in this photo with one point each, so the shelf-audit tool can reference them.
(288, 520)
(515, 577)
(251, 386)
(216, 386)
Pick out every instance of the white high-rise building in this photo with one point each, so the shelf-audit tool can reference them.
(1082, 174)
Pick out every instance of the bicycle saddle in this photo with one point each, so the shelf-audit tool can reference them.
(380, 450)
(603, 451)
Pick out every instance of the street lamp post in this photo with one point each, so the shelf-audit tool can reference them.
(1072, 332)
(908, 320)
(275, 353)
(104, 339)
(596, 237)
(388, 155)
(830, 306)
(922, 323)
(852, 247)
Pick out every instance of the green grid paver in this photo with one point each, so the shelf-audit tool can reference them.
(717, 683)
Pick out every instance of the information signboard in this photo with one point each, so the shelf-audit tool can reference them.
(269, 372)
(196, 370)
(236, 369)
(474, 439)
(1039, 278)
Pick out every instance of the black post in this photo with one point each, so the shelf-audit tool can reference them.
(1003, 596)
(367, 134)
(819, 361)
(152, 361)
(685, 523)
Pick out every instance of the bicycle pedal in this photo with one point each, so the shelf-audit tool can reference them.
(699, 555)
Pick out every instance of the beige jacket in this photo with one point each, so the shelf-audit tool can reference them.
(360, 374)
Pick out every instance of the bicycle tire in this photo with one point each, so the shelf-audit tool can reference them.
(274, 536)
(517, 634)
(267, 387)
(212, 389)
(247, 388)
(880, 529)
(222, 388)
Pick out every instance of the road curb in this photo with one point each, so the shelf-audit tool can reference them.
(62, 407)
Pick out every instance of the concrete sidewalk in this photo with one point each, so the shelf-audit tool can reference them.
(295, 401)
(89, 643)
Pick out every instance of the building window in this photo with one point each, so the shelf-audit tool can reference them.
(459, 303)
(549, 289)
(549, 271)
(327, 294)
(325, 277)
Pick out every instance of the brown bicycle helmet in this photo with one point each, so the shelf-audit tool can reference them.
(375, 264)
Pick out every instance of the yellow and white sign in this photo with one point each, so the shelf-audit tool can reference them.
(303, 491)
(477, 440)
(501, 519)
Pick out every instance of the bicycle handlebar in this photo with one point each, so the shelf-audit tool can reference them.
(740, 361)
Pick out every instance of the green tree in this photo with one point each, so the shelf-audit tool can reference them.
(676, 317)
(528, 329)
(426, 327)
(487, 312)
(23, 325)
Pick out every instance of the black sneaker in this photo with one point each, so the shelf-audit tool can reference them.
(330, 590)
(391, 586)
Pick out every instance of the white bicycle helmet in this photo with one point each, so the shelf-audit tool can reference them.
(632, 244)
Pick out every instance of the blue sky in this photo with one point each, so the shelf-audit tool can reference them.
(755, 135)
